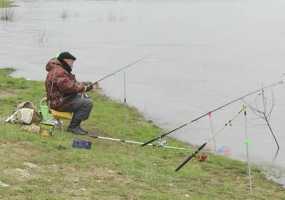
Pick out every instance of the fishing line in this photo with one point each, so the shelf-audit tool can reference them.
(125, 87)
(212, 131)
(247, 142)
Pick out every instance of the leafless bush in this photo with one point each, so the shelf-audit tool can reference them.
(64, 15)
(263, 109)
(7, 14)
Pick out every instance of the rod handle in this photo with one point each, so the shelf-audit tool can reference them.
(190, 157)
(164, 135)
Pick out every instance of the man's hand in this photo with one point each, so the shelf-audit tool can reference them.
(97, 86)
(88, 88)
(87, 83)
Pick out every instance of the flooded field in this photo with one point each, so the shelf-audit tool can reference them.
(202, 54)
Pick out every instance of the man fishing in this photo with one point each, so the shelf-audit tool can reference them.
(65, 93)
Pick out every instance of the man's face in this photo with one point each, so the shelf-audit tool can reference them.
(70, 62)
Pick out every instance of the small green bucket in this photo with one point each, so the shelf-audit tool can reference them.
(44, 110)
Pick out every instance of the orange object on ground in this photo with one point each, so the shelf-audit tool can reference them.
(202, 157)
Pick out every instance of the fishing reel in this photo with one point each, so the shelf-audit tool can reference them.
(161, 143)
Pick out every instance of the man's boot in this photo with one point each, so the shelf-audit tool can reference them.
(74, 127)
(83, 130)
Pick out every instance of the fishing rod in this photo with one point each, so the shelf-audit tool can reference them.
(212, 111)
(200, 148)
(191, 157)
(119, 70)
(138, 143)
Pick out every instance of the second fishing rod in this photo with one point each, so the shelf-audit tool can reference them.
(90, 86)
(119, 70)
(212, 111)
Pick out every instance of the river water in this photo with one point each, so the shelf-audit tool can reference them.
(202, 54)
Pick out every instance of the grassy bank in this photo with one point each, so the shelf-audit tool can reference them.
(5, 3)
(39, 168)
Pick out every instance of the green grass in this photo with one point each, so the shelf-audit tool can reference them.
(5, 3)
(49, 168)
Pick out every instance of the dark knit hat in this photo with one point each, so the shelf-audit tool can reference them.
(65, 55)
